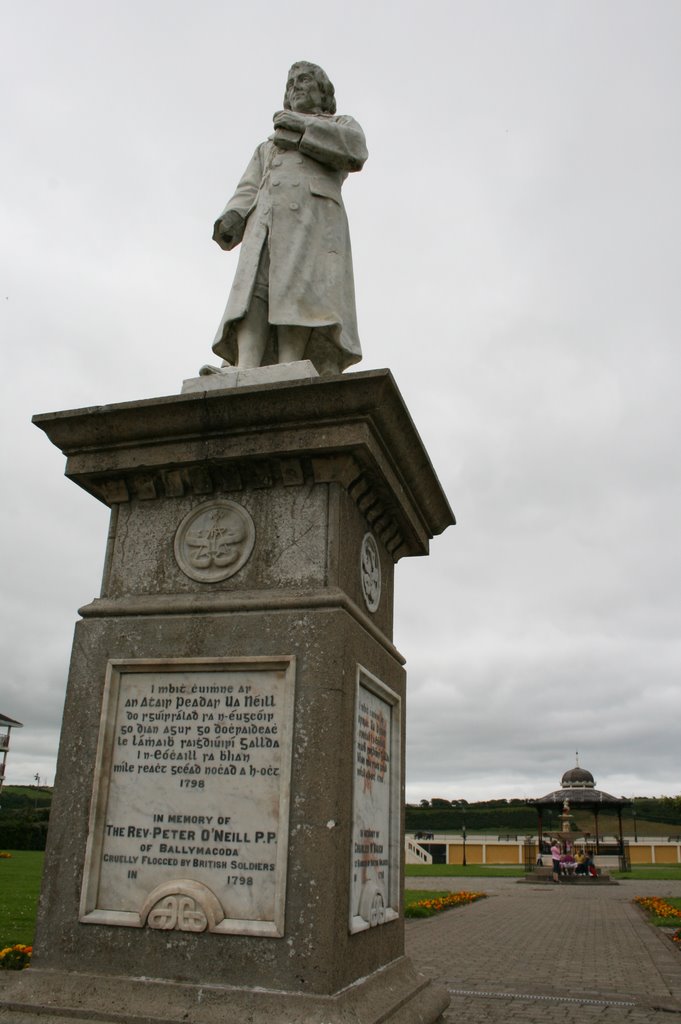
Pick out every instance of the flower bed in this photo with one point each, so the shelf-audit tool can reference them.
(665, 912)
(428, 907)
(15, 958)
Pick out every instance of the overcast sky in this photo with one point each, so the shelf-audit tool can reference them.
(516, 237)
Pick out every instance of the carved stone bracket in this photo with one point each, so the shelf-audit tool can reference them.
(365, 488)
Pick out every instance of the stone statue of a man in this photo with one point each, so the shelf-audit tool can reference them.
(293, 294)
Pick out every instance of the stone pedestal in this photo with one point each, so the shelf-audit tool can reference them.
(226, 835)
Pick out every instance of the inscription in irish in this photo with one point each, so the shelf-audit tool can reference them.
(375, 840)
(189, 821)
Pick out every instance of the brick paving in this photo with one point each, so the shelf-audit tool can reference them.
(542, 953)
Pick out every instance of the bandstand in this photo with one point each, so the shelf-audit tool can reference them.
(578, 792)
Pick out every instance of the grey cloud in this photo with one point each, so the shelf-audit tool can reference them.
(515, 236)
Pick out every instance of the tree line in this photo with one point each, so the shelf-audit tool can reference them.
(24, 817)
(514, 816)
(25, 813)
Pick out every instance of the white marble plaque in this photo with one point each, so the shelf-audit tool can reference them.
(189, 817)
(376, 851)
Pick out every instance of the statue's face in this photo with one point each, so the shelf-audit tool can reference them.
(303, 92)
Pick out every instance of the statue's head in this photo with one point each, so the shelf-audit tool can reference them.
(308, 90)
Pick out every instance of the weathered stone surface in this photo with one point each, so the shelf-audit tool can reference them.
(233, 377)
(253, 532)
(318, 953)
(354, 430)
(396, 994)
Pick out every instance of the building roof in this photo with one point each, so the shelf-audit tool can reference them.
(4, 720)
(578, 787)
(579, 798)
(578, 778)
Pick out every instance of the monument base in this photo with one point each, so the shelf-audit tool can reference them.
(396, 994)
(227, 824)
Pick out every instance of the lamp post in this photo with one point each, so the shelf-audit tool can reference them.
(633, 814)
(463, 832)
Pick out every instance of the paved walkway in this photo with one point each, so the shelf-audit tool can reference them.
(541, 953)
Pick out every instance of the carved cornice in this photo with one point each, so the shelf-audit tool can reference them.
(214, 478)
(352, 430)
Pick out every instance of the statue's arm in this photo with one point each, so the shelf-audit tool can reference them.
(230, 225)
(337, 142)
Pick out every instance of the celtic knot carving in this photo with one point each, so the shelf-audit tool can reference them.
(178, 912)
(214, 541)
(183, 905)
(372, 906)
(370, 572)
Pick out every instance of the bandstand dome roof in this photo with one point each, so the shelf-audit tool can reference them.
(578, 787)
(577, 778)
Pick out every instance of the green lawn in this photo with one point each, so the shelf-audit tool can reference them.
(21, 873)
(662, 919)
(412, 896)
(663, 873)
(665, 922)
(20, 877)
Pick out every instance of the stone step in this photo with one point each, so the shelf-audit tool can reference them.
(546, 875)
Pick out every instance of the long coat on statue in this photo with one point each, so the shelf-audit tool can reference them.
(291, 200)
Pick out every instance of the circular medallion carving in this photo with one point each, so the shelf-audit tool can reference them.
(214, 541)
(370, 572)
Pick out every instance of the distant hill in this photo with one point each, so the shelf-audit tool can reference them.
(653, 816)
(24, 817)
(476, 818)
(15, 797)
(25, 813)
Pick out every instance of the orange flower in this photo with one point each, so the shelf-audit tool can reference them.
(15, 958)
(454, 899)
(658, 906)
